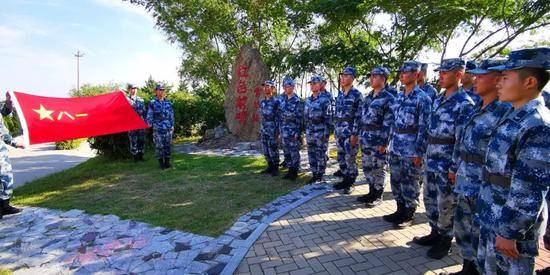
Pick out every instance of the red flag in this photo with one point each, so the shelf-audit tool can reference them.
(49, 119)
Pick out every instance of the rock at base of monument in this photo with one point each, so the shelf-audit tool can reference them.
(225, 142)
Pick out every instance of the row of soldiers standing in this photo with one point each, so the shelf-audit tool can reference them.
(483, 157)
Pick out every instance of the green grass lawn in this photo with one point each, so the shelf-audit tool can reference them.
(200, 194)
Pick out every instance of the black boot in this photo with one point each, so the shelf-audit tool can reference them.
(338, 173)
(268, 169)
(366, 198)
(405, 219)
(314, 178)
(349, 186)
(275, 169)
(292, 174)
(468, 268)
(161, 162)
(167, 163)
(135, 157)
(341, 185)
(375, 199)
(140, 156)
(441, 249)
(428, 240)
(7, 209)
(391, 217)
(283, 164)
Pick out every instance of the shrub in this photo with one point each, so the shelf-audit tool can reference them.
(69, 144)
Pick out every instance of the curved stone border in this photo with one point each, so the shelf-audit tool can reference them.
(296, 198)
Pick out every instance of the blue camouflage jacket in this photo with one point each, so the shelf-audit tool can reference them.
(429, 90)
(160, 115)
(138, 104)
(410, 127)
(376, 118)
(291, 111)
(317, 115)
(448, 115)
(347, 116)
(269, 112)
(517, 176)
(471, 146)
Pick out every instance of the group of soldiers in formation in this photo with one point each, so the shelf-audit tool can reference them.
(160, 117)
(482, 154)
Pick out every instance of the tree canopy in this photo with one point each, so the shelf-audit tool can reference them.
(324, 35)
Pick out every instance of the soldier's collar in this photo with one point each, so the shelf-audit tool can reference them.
(529, 107)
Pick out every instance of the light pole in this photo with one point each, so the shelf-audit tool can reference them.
(78, 55)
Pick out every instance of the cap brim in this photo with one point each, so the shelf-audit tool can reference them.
(501, 68)
(477, 71)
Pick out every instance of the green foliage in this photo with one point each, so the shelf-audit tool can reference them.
(91, 90)
(13, 124)
(69, 144)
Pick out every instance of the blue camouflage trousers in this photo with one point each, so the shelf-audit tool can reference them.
(291, 148)
(6, 174)
(486, 260)
(270, 148)
(493, 262)
(163, 142)
(466, 227)
(317, 146)
(405, 181)
(137, 141)
(374, 167)
(346, 155)
(440, 202)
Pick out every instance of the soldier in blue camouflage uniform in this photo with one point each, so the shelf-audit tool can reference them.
(7, 108)
(468, 82)
(291, 113)
(317, 123)
(411, 110)
(6, 174)
(468, 156)
(137, 137)
(160, 116)
(347, 118)
(516, 176)
(269, 128)
(424, 85)
(449, 111)
(376, 121)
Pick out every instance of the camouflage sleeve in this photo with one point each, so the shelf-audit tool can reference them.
(357, 115)
(6, 137)
(424, 111)
(149, 118)
(300, 116)
(142, 110)
(328, 117)
(6, 110)
(465, 112)
(277, 110)
(388, 120)
(529, 186)
(171, 115)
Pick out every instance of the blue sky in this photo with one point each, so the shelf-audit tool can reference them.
(38, 40)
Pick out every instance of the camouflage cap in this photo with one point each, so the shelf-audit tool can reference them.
(485, 65)
(288, 81)
(315, 79)
(526, 58)
(450, 64)
(349, 71)
(323, 79)
(410, 66)
(470, 65)
(159, 87)
(130, 86)
(270, 83)
(379, 71)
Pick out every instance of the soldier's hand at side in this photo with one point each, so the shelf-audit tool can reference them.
(353, 140)
(417, 161)
(382, 149)
(507, 247)
(452, 177)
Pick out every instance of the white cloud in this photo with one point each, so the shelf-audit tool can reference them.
(126, 6)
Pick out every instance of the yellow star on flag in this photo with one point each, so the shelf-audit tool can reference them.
(44, 113)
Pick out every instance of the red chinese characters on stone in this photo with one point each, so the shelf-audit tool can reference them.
(242, 112)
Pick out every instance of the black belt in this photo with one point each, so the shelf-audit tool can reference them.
(371, 128)
(348, 120)
(318, 120)
(497, 179)
(444, 141)
(412, 130)
(472, 158)
(290, 120)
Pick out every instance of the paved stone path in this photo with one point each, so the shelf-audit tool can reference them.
(329, 234)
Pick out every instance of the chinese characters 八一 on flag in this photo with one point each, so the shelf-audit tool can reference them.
(50, 119)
